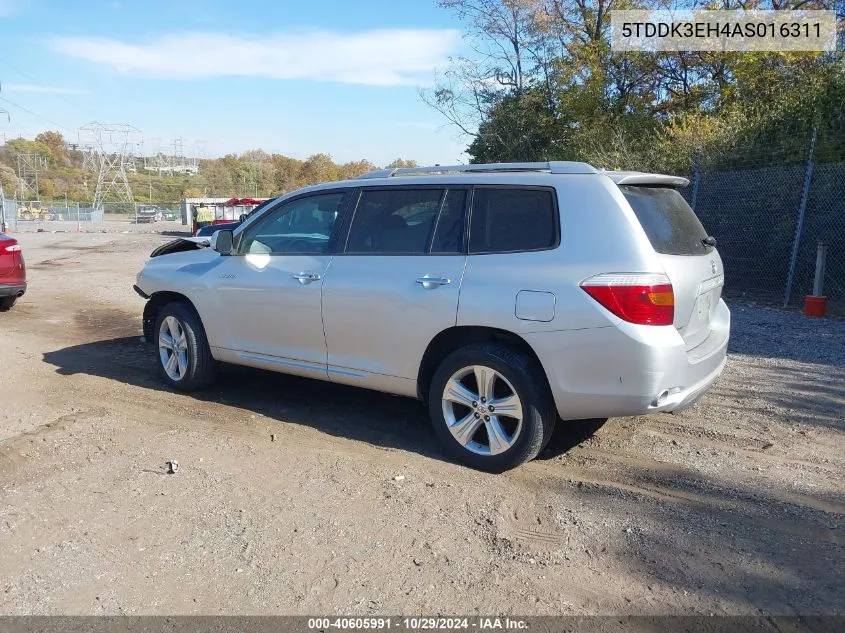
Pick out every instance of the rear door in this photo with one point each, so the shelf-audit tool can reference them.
(694, 267)
(396, 283)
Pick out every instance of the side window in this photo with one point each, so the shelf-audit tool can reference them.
(301, 226)
(449, 232)
(394, 220)
(507, 220)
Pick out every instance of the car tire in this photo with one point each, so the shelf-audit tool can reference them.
(6, 303)
(471, 430)
(182, 351)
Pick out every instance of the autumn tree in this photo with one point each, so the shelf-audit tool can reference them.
(401, 162)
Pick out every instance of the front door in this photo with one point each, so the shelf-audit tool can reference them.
(395, 284)
(268, 293)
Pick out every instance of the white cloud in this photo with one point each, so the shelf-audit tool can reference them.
(39, 88)
(379, 57)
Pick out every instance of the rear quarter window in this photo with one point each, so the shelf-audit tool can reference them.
(670, 224)
(508, 220)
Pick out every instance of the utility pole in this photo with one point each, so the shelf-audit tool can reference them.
(28, 166)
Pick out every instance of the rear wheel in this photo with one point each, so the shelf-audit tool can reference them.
(491, 407)
(6, 303)
(184, 356)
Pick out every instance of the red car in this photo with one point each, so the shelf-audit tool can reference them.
(12, 272)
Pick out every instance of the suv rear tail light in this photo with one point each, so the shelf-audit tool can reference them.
(642, 298)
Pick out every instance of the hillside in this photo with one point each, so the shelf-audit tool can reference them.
(61, 170)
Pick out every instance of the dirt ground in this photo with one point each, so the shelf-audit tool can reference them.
(734, 507)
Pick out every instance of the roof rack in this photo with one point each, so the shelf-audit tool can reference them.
(554, 167)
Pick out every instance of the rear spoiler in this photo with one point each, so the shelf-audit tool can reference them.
(646, 180)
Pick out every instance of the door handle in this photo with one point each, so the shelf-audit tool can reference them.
(428, 281)
(306, 278)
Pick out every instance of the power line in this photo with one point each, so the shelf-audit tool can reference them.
(34, 80)
(35, 114)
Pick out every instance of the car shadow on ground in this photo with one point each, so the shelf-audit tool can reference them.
(358, 414)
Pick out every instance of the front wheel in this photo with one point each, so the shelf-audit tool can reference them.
(491, 407)
(184, 356)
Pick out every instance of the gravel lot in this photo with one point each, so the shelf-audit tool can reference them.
(734, 507)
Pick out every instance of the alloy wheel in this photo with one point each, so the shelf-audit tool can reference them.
(482, 410)
(173, 348)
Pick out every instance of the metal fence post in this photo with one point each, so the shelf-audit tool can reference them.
(799, 225)
(696, 179)
(821, 263)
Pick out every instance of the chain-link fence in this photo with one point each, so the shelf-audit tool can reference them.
(769, 211)
(26, 215)
(144, 213)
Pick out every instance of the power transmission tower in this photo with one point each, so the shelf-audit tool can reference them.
(88, 158)
(183, 164)
(28, 166)
(114, 146)
(157, 160)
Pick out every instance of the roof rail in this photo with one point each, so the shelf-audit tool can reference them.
(554, 167)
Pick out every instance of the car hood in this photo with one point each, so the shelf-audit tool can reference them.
(181, 245)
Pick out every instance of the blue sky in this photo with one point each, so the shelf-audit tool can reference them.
(294, 77)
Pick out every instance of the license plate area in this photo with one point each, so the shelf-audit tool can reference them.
(708, 297)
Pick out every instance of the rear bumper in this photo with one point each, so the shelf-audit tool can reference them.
(628, 369)
(12, 290)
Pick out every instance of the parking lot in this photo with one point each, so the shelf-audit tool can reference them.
(734, 507)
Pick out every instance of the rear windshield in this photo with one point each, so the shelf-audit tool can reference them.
(670, 223)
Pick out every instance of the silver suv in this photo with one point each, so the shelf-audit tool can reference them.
(503, 296)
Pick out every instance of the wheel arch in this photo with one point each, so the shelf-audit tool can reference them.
(157, 301)
(454, 338)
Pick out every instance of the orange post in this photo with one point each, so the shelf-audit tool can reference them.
(815, 306)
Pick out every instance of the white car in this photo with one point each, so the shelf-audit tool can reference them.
(504, 296)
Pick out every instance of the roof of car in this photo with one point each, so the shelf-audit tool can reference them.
(487, 173)
(551, 167)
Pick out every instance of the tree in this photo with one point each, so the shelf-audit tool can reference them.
(318, 168)
(401, 162)
(546, 84)
(253, 173)
(56, 148)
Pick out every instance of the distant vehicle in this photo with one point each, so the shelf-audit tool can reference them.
(35, 211)
(209, 229)
(505, 296)
(170, 216)
(148, 213)
(12, 272)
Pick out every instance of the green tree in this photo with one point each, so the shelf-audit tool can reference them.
(401, 162)
(56, 148)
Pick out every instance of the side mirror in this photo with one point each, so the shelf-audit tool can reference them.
(222, 241)
(243, 217)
